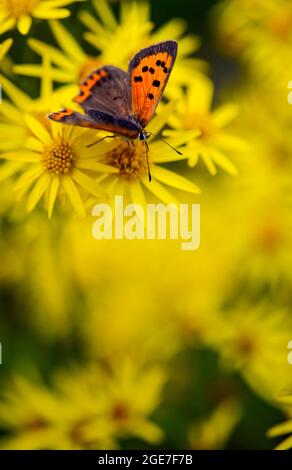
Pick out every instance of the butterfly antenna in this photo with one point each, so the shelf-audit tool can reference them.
(167, 143)
(147, 156)
(100, 140)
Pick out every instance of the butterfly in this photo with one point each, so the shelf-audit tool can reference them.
(124, 102)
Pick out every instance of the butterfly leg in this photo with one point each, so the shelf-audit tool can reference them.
(100, 140)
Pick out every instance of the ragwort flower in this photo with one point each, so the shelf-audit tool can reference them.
(203, 131)
(19, 13)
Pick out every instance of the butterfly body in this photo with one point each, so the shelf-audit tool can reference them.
(123, 102)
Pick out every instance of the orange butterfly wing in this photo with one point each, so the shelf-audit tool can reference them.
(149, 71)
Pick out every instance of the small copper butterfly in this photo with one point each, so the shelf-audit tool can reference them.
(124, 102)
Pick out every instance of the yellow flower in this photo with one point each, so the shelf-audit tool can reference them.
(254, 338)
(194, 116)
(71, 63)
(19, 13)
(50, 158)
(261, 32)
(134, 31)
(235, 22)
(130, 162)
(91, 409)
(55, 161)
(127, 395)
(35, 417)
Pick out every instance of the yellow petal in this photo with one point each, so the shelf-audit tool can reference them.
(13, 114)
(176, 181)
(282, 428)
(67, 41)
(105, 13)
(200, 95)
(46, 82)
(9, 169)
(207, 159)
(159, 121)
(22, 156)
(88, 183)
(53, 191)
(9, 23)
(221, 160)
(231, 143)
(225, 115)
(30, 70)
(4, 47)
(181, 137)
(89, 164)
(137, 193)
(25, 180)
(73, 195)
(285, 445)
(46, 14)
(37, 191)
(57, 56)
(90, 22)
(38, 129)
(159, 191)
(33, 143)
(19, 98)
(24, 24)
(161, 152)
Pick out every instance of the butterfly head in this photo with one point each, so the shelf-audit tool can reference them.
(143, 135)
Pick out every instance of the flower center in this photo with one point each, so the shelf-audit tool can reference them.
(91, 64)
(280, 25)
(58, 158)
(130, 159)
(245, 346)
(18, 8)
(120, 413)
(270, 238)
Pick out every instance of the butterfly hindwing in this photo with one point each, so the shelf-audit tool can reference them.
(68, 116)
(96, 120)
(149, 72)
(107, 90)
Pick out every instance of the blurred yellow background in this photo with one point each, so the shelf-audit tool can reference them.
(138, 344)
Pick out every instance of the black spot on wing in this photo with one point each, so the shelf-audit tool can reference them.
(166, 46)
(150, 96)
(138, 79)
(156, 83)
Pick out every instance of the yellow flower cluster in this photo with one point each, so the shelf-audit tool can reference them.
(142, 323)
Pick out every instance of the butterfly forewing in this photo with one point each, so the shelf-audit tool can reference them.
(105, 96)
(107, 90)
(149, 71)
